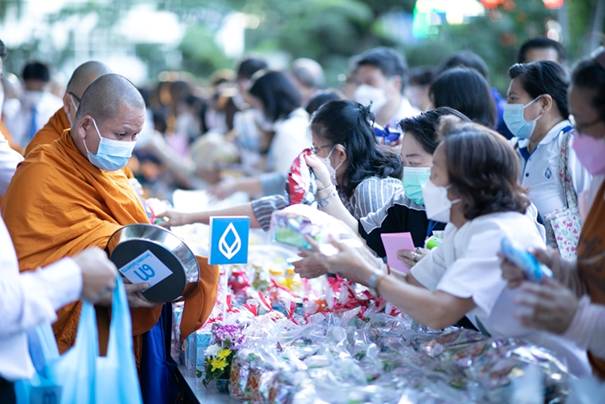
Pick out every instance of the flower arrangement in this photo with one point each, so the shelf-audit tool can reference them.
(227, 340)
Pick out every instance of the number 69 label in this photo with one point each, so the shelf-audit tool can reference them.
(146, 268)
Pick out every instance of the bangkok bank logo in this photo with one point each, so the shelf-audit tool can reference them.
(230, 242)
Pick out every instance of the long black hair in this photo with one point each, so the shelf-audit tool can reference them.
(466, 91)
(350, 124)
(277, 93)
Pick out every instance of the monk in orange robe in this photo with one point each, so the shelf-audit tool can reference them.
(72, 194)
(80, 79)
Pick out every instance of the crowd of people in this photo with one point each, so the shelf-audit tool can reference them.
(422, 150)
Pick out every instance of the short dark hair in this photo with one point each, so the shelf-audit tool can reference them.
(350, 124)
(36, 71)
(249, 66)
(322, 98)
(277, 93)
(424, 127)
(466, 58)
(590, 74)
(421, 76)
(540, 43)
(483, 168)
(465, 90)
(543, 77)
(390, 62)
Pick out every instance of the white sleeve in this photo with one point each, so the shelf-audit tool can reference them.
(9, 159)
(579, 175)
(476, 274)
(31, 298)
(429, 271)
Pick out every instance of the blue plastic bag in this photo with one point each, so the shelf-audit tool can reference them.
(80, 375)
(117, 380)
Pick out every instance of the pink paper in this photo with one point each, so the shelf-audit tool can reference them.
(393, 242)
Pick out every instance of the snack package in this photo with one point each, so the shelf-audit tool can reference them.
(301, 186)
(532, 268)
(292, 225)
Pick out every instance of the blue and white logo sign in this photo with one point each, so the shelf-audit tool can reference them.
(229, 240)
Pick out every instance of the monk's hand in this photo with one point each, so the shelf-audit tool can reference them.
(98, 274)
(134, 292)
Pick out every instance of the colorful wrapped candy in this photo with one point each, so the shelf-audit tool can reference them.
(301, 186)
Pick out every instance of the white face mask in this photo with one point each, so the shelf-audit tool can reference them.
(436, 202)
(328, 163)
(372, 96)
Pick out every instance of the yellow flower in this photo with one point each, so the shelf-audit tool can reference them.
(218, 364)
(223, 353)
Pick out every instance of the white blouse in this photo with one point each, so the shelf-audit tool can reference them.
(466, 266)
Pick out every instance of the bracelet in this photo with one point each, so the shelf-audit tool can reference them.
(323, 202)
(324, 188)
(374, 281)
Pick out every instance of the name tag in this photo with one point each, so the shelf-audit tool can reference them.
(145, 268)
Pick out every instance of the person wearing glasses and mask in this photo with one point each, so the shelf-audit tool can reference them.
(65, 116)
(405, 211)
(573, 303)
(537, 113)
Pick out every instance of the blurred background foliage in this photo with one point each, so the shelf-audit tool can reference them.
(330, 31)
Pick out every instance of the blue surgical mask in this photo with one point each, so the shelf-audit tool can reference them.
(414, 179)
(112, 154)
(514, 118)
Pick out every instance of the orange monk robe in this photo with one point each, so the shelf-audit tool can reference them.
(54, 128)
(50, 132)
(58, 204)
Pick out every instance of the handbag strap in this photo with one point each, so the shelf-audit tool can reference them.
(571, 198)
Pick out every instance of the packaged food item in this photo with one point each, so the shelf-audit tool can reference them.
(291, 226)
(301, 181)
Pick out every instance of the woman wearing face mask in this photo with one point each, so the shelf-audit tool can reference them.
(348, 164)
(284, 123)
(473, 186)
(537, 114)
(573, 304)
(405, 211)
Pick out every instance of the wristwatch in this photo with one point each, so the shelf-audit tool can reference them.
(374, 282)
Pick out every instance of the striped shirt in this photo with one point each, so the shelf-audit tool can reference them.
(369, 196)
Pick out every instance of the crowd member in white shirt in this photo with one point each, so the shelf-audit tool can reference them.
(285, 125)
(31, 298)
(37, 104)
(474, 188)
(537, 114)
(380, 75)
(9, 158)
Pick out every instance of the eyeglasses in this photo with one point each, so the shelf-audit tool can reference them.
(75, 97)
(316, 150)
(581, 127)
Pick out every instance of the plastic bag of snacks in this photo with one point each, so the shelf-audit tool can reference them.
(291, 226)
(301, 181)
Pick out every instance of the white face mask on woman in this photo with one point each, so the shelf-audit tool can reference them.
(436, 202)
(328, 163)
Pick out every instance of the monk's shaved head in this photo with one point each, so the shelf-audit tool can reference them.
(84, 75)
(107, 95)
